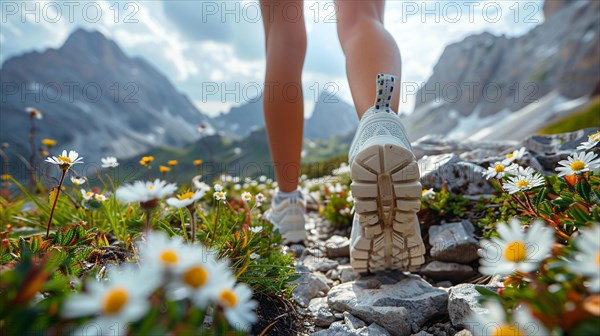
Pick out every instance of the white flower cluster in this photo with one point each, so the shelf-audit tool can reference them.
(185, 272)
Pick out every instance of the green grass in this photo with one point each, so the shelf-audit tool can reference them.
(588, 117)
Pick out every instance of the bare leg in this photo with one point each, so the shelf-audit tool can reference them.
(369, 49)
(285, 37)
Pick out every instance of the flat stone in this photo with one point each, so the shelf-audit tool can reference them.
(464, 332)
(447, 270)
(337, 247)
(454, 242)
(347, 273)
(323, 317)
(394, 304)
(310, 286)
(353, 322)
(462, 177)
(463, 302)
(320, 264)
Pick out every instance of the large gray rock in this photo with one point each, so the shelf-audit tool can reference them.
(310, 286)
(396, 304)
(462, 177)
(453, 242)
(447, 271)
(320, 264)
(463, 302)
(353, 322)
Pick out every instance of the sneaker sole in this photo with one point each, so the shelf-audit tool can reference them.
(387, 197)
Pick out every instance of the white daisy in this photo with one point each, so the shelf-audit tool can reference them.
(33, 112)
(200, 185)
(100, 197)
(514, 156)
(65, 161)
(593, 140)
(185, 199)
(496, 322)
(121, 300)
(587, 262)
(199, 276)
(237, 304)
(145, 191)
(515, 250)
(246, 196)
(578, 163)
(109, 162)
(428, 193)
(218, 187)
(497, 170)
(515, 169)
(522, 182)
(220, 195)
(87, 195)
(256, 229)
(161, 252)
(260, 198)
(77, 180)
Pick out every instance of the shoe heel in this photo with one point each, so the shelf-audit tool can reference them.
(387, 193)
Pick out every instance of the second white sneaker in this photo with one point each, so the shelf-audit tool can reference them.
(386, 190)
(288, 215)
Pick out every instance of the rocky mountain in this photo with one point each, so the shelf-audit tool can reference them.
(331, 117)
(95, 99)
(241, 120)
(495, 87)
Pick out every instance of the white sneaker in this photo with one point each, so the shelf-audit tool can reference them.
(386, 190)
(288, 217)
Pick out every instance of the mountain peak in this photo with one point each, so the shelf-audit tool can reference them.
(91, 42)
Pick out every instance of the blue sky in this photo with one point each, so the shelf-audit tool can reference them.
(221, 42)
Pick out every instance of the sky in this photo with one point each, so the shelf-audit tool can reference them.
(213, 51)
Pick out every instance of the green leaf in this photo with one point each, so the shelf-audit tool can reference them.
(68, 236)
(584, 190)
(539, 197)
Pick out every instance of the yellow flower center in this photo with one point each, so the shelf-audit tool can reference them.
(169, 257)
(187, 195)
(88, 194)
(425, 191)
(507, 330)
(195, 276)
(114, 300)
(220, 194)
(522, 184)
(228, 298)
(515, 251)
(499, 168)
(510, 156)
(64, 159)
(151, 187)
(577, 165)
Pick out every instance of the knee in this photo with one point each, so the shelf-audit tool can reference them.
(289, 37)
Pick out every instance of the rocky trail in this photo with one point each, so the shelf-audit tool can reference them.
(331, 299)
